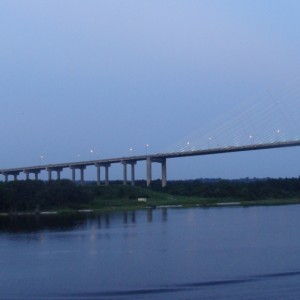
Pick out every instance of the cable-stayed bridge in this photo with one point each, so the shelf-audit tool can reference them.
(266, 121)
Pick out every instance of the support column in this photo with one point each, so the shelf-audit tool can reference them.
(5, 177)
(164, 172)
(58, 174)
(133, 173)
(124, 172)
(107, 174)
(98, 174)
(82, 175)
(34, 171)
(49, 175)
(15, 177)
(149, 171)
(73, 174)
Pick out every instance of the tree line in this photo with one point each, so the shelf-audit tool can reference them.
(246, 189)
(34, 195)
(37, 195)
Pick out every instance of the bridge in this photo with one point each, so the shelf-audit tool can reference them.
(267, 123)
(131, 161)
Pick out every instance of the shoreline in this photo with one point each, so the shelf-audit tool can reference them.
(153, 206)
(57, 197)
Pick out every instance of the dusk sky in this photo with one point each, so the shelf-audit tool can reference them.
(108, 76)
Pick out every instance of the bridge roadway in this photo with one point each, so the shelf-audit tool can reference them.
(132, 160)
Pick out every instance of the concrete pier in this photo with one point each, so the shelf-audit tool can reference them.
(124, 163)
(52, 169)
(164, 172)
(132, 172)
(36, 175)
(107, 166)
(163, 162)
(81, 168)
(82, 175)
(73, 173)
(149, 171)
(7, 174)
(35, 171)
(132, 164)
(98, 173)
(58, 173)
(27, 175)
(49, 174)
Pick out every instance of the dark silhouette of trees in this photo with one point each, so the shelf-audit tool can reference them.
(31, 195)
(239, 189)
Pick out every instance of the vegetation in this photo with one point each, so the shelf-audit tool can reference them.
(30, 195)
(243, 189)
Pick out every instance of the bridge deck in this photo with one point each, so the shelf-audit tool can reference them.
(153, 157)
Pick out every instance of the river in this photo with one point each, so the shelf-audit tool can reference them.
(165, 253)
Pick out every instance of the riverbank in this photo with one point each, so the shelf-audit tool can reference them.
(153, 204)
(38, 197)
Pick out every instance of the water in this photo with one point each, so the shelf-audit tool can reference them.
(215, 253)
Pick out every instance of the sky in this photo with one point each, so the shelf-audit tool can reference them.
(114, 75)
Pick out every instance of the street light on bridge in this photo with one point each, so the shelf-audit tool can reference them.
(251, 138)
(278, 134)
(91, 154)
(209, 139)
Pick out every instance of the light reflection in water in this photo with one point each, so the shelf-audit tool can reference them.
(67, 222)
(161, 253)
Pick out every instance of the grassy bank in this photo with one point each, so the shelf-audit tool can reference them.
(65, 196)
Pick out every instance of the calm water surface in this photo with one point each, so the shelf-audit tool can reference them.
(215, 253)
